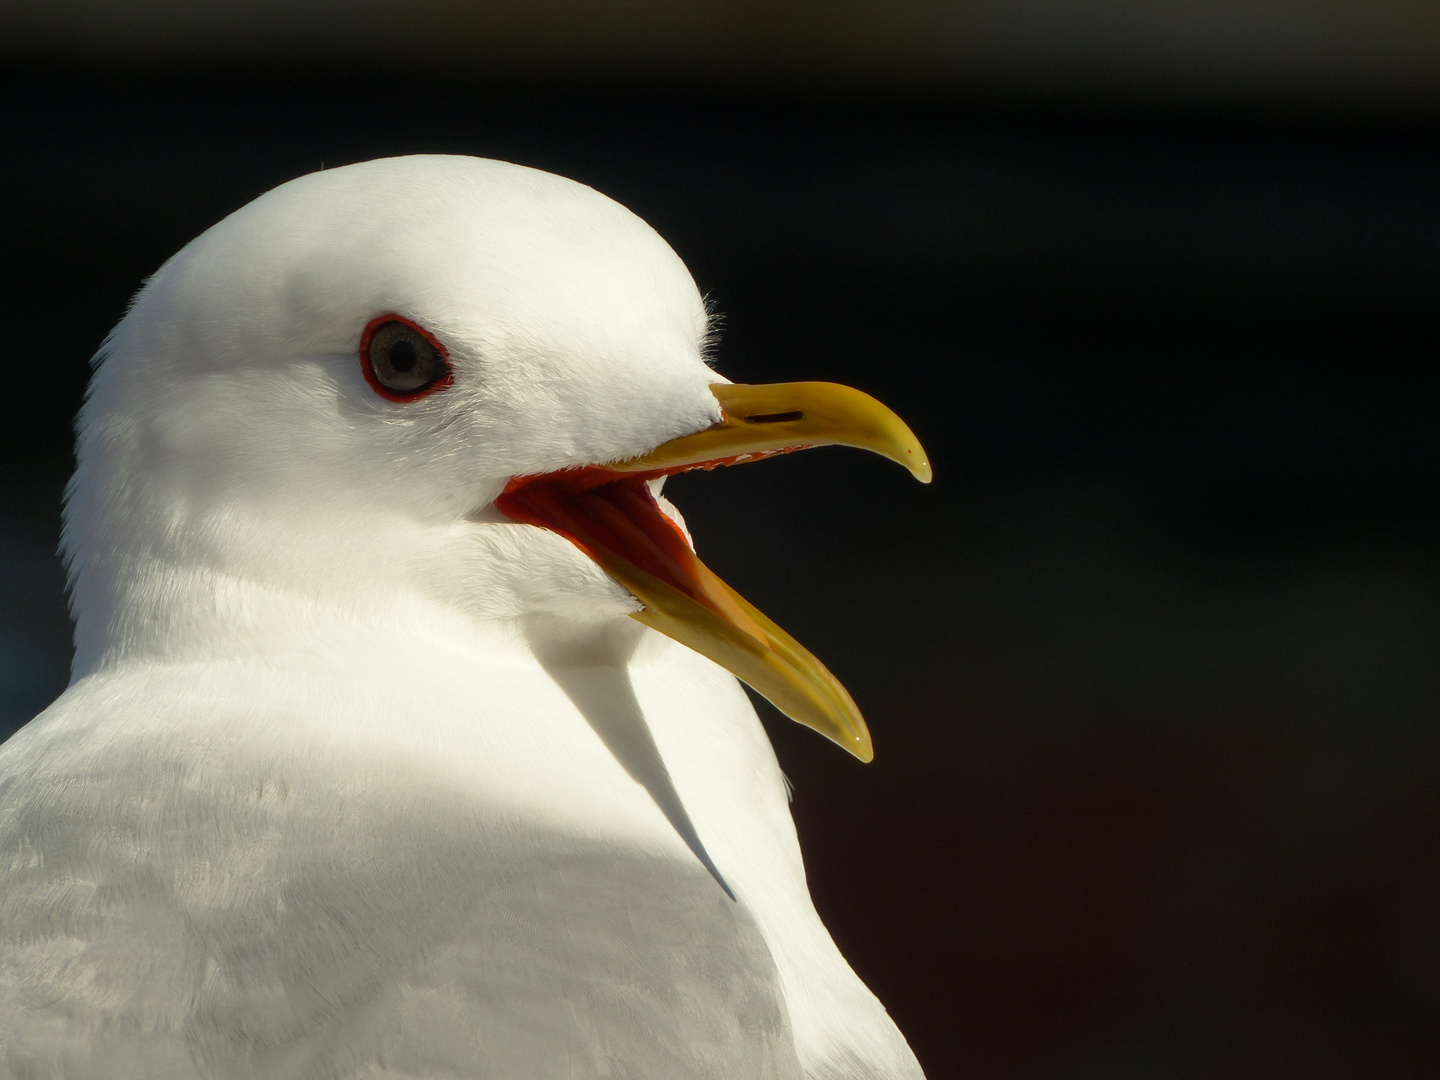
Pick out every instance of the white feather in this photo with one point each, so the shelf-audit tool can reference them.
(357, 777)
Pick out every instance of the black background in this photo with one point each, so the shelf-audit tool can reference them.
(1152, 665)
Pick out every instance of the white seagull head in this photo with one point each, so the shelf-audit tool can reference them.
(423, 383)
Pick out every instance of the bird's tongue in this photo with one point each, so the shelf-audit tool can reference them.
(619, 524)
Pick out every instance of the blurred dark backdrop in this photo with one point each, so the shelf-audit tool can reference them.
(1152, 666)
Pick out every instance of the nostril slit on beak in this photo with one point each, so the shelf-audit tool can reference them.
(775, 417)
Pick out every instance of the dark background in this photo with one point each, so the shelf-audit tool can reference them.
(1152, 666)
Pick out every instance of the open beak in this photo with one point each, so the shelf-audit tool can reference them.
(608, 511)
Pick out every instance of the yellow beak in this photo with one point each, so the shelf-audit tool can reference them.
(609, 513)
(779, 417)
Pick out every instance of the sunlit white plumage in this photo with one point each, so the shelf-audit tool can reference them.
(356, 776)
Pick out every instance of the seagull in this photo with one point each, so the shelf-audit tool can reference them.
(405, 736)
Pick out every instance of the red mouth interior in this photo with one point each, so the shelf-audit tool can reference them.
(613, 517)
(607, 513)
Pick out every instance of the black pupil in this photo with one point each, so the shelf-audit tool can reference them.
(402, 356)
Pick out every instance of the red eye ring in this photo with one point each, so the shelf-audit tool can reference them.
(388, 325)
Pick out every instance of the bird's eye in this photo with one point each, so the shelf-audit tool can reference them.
(401, 360)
